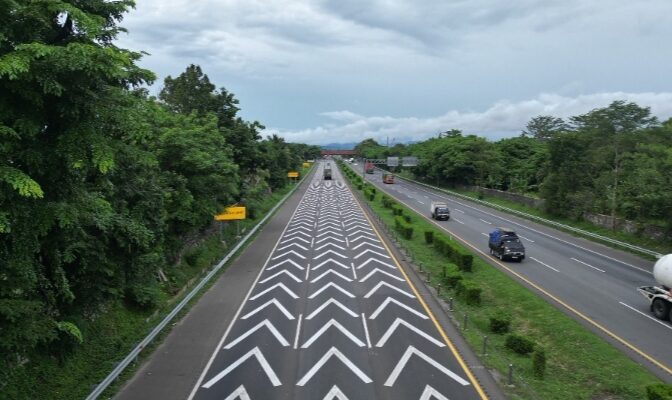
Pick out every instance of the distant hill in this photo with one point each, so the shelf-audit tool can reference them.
(339, 146)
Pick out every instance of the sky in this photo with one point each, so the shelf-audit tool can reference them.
(336, 71)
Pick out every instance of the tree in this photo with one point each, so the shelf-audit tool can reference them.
(544, 127)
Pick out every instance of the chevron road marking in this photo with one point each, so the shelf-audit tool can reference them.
(378, 261)
(298, 233)
(330, 237)
(239, 393)
(334, 302)
(383, 283)
(287, 253)
(430, 392)
(298, 331)
(265, 323)
(277, 285)
(335, 393)
(360, 225)
(394, 327)
(368, 244)
(335, 286)
(332, 252)
(274, 302)
(334, 352)
(364, 237)
(371, 251)
(318, 266)
(366, 331)
(337, 325)
(329, 232)
(284, 271)
(404, 360)
(382, 272)
(298, 229)
(397, 302)
(285, 262)
(361, 232)
(296, 238)
(331, 271)
(252, 353)
(329, 244)
(293, 244)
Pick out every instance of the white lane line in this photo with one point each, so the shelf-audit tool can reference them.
(544, 264)
(458, 221)
(366, 332)
(647, 316)
(354, 273)
(487, 222)
(485, 234)
(588, 265)
(523, 237)
(420, 202)
(458, 210)
(298, 330)
(426, 197)
(307, 272)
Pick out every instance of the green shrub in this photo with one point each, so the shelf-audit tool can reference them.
(452, 280)
(500, 324)
(397, 210)
(359, 186)
(429, 237)
(408, 218)
(465, 261)
(539, 363)
(659, 391)
(471, 293)
(439, 243)
(519, 344)
(387, 202)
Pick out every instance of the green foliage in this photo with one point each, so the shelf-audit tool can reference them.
(429, 237)
(539, 363)
(403, 227)
(452, 280)
(500, 323)
(659, 391)
(519, 344)
(469, 291)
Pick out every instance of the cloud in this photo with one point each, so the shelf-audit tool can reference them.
(503, 119)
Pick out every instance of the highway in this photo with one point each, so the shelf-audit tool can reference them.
(594, 283)
(332, 315)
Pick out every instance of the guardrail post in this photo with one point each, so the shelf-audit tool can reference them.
(450, 304)
(485, 345)
(466, 320)
(429, 277)
(510, 374)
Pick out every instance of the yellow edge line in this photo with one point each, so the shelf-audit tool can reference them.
(542, 290)
(450, 344)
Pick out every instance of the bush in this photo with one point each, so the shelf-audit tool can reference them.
(408, 218)
(500, 324)
(429, 237)
(465, 261)
(539, 363)
(397, 210)
(403, 227)
(659, 391)
(452, 280)
(387, 201)
(471, 293)
(359, 186)
(519, 344)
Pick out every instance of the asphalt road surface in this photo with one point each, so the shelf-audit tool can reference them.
(597, 282)
(333, 316)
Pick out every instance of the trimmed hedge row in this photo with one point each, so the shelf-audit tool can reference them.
(659, 391)
(404, 228)
(446, 246)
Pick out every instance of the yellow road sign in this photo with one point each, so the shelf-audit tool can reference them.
(293, 174)
(231, 213)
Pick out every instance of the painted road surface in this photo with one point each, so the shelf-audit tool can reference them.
(331, 316)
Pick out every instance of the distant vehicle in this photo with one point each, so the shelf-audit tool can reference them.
(327, 173)
(388, 178)
(369, 168)
(660, 296)
(439, 210)
(505, 244)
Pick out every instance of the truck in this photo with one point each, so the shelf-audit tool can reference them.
(369, 168)
(505, 244)
(439, 210)
(327, 173)
(660, 297)
(388, 178)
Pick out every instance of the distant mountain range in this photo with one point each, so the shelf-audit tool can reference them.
(339, 146)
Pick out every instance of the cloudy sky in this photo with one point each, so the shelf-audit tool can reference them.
(323, 71)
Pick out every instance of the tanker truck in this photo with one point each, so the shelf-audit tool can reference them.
(660, 296)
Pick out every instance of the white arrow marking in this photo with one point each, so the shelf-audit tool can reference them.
(277, 285)
(360, 225)
(239, 393)
(329, 244)
(330, 238)
(287, 253)
(296, 238)
(265, 323)
(335, 302)
(335, 286)
(371, 251)
(285, 262)
(348, 221)
(332, 252)
(334, 352)
(297, 233)
(382, 272)
(430, 392)
(383, 283)
(260, 357)
(397, 302)
(284, 271)
(299, 228)
(361, 232)
(370, 244)
(404, 359)
(331, 271)
(337, 325)
(378, 261)
(328, 261)
(396, 324)
(293, 244)
(261, 307)
(329, 232)
(364, 237)
(330, 224)
(335, 393)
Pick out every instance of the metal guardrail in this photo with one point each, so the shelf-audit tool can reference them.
(109, 379)
(638, 249)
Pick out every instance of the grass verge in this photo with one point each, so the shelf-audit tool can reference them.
(579, 363)
(110, 335)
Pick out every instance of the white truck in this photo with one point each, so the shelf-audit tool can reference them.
(660, 296)
(439, 210)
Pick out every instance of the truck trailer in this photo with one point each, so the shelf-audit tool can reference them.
(660, 296)
(439, 210)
